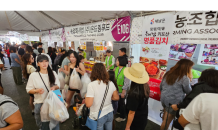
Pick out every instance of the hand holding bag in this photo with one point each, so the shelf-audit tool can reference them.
(92, 124)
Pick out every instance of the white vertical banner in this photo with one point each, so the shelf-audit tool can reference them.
(154, 52)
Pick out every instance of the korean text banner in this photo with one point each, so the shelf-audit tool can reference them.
(110, 30)
(45, 36)
(196, 27)
(156, 34)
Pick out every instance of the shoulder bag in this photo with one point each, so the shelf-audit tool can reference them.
(92, 124)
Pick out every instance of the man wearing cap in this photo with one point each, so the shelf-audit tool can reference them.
(109, 61)
(21, 51)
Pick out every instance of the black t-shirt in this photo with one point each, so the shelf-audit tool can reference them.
(1, 55)
(53, 56)
(140, 106)
(21, 51)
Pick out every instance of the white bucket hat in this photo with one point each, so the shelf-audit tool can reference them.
(137, 73)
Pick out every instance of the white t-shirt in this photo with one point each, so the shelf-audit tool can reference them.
(97, 91)
(35, 81)
(1, 63)
(30, 69)
(204, 110)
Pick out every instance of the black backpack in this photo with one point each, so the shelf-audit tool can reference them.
(85, 113)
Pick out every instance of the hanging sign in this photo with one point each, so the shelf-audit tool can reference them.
(45, 36)
(57, 35)
(109, 30)
(156, 34)
(195, 27)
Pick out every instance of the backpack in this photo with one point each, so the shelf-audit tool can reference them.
(57, 59)
(85, 113)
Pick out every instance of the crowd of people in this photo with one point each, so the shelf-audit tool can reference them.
(115, 89)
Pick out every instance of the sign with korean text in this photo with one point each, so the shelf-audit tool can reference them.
(57, 35)
(45, 36)
(110, 30)
(196, 27)
(156, 37)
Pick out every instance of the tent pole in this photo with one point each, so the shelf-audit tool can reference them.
(52, 18)
(26, 20)
(8, 20)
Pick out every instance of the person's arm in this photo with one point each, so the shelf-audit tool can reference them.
(132, 105)
(89, 97)
(192, 112)
(67, 72)
(125, 86)
(115, 96)
(1, 64)
(31, 89)
(81, 69)
(15, 121)
(130, 119)
(182, 121)
(17, 61)
(113, 62)
(186, 85)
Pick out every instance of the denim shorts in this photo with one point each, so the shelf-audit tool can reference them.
(105, 122)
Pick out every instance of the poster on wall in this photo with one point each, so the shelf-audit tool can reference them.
(182, 51)
(208, 55)
(136, 30)
(109, 30)
(156, 34)
(82, 45)
(199, 27)
(98, 45)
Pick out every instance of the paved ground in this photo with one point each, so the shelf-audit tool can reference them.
(19, 95)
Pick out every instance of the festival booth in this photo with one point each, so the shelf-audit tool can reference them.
(96, 38)
(163, 39)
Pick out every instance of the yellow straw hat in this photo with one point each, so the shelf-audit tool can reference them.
(137, 73)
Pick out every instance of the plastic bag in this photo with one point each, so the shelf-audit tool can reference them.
(64, 91)
(44, 112)
(85, 81)
(61, 79)
(75, 82)
(57, 109)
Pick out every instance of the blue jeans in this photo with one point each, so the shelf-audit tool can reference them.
(42, 125)
(105, 123)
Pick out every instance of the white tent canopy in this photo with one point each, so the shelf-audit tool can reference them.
(33, 22)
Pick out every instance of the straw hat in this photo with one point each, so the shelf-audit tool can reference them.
(137, 73)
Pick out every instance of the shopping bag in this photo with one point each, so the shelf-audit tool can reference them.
(75, 82)
(44, 112)
(85, 81)
(66, 79)
(61, 79)
(59, 95)
(57, 109)
(64, 91)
